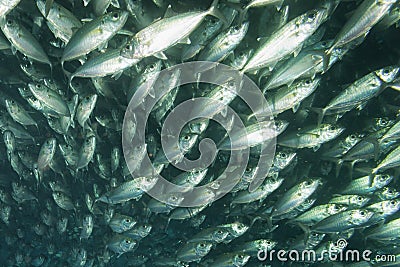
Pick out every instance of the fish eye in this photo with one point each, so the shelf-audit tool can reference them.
(248, 169)
(127, 241)
(331, 128)
(390, 191)
(241, 256)
(128, 47)
(359, 198)
(362, 213)
(231, 84)
(352, 137)
(152, 67)
(202, 245)
(324, 43)
(38, 86)
(386, 71)
(283, 155)
(308, 182)
(115, 15)
(383, 121)
(186, 137)
(204, 33)
(308, 82)
(235, 28)
(268, 242)
(241, 54)
(127, 220)
(392, 202)
(9, 22)
(314, 234)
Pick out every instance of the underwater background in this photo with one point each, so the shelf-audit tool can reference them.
(73, 194)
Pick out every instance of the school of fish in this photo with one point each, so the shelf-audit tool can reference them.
(329, 71)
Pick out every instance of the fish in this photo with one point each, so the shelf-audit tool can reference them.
(60, 20)
(367, 14)
(295, 196)
(93, 35)
(22, 40)
(285, 41)
(343, 221)
(141, 45)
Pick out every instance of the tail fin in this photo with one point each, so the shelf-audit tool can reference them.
(321, 114)
(213, 11)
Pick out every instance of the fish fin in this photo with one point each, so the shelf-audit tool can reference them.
(213, 11)
(48, 5)
(125, 32)
(84, 20)
(103, 47)
(185, 40)
(152, 93)
(297, 51)
(161, 55)
(169, 12)
(321, 114)
(305, 228)
(295, 107)
(86, 2)
(115, 3)
(339, 164)
(326, 59)
(117, 75)
(13, 50)
(315, 148)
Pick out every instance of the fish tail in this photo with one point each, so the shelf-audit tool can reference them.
(213, 11)
(321, 114)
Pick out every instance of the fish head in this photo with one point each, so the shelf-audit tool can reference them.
(265, 244)
(146, 183)
(240, 259)
(114, 20)
(359, 217)
(203, 248)
(310, 20)
(380, 180)
(187, 141)
(358, 201)
(390, 206)
(132, 49)
(283, 159)
(219, 235)
(9, 24)
(388, 74)
(335, 208)
(197, 176)
(388, 193)
(239, 228)
(127, 244)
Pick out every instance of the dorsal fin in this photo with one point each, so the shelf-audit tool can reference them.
(169, 12)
